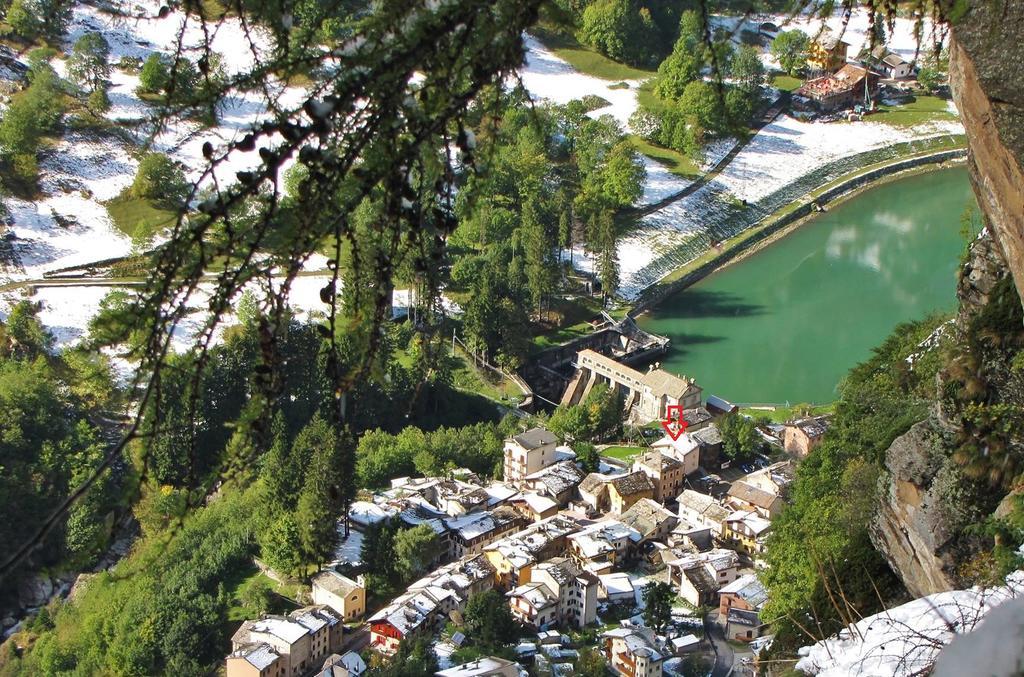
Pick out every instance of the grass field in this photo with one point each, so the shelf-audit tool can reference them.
(922, 109)
(584, 59)
(137, 218)
(621, 453)
(786, 83)
(677, 163)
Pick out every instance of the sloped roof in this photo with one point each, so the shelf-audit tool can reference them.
(647, 516)
(258, 654)
(749, 589)
(708, 436)
(558, 477)
(332, 581)
(657, 461)
(748, 493)
(535, 437)
(662, 382)
(594, 482)
(633, 483)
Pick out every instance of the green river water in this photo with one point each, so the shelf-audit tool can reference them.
(785, 324)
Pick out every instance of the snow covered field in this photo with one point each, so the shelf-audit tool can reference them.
(70, 226)
(905, 640)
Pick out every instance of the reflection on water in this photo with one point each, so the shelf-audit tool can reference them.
(787, 323)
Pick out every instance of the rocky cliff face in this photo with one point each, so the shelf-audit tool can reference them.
(926, 499)
(987, 79)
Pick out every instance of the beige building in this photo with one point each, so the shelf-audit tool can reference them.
(345, 596)
(528, 453)
(743, 496)
(559, 593)
(632, 652)
(700, 510)
(799, 437)
(685, 449)
(665, 472)
(625, 490)
(284, 646)
(648, 394)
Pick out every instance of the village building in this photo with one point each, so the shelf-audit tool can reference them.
(258, 659)
(747, 530)
(743, 626)
(533, 507)
(349, 665)
(603, 545)
(847, 87)
(647, 395)
(698, 576)
(284, 646)
(701, 510)
(683, 449)
(413, 614)
(513, 557)
(616, 588)
(746, 592)
(799, 437)
(346, 597)
(560, 592)
(593, 492)
(557, 481)
(527, 453)
(665, 472)
(470, 534)
(697, 418)
(685, 644)
(689, 538)
(632, 652)
(744, 496)
(889, 64)
(625, 490)
(718, 406)
(485, 666)
(709, 445)
(826, 52)
(650, 519)
(774, 479)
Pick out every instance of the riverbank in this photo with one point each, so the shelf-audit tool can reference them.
(790, 217)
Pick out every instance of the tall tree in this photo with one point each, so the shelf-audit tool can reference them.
(790, 49)
(489, 621)
(658, 598)
(608, 255)
(747, 70)
(415, 550)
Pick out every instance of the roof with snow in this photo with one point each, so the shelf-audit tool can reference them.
(557, 478)
(754, 522)
(481, 667)
(647, 516)
(332, 581)
(749, 589)
(260, 655)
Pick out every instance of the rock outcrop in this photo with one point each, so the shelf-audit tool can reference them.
(911, 528)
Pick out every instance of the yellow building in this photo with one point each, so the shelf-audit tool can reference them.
(625, 490)
(826, 52)
(346, 596)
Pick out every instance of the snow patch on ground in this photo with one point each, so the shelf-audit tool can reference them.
(906, 640)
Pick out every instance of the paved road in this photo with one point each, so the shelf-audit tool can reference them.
(723, 651)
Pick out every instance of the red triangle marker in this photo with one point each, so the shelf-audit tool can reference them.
(674, 428)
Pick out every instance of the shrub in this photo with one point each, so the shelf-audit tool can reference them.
(161, 180)
(98, 101)
(155, 74)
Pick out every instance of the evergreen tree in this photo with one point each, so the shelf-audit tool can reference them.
(747, 69)
(658, 598)
(87, 64)
(489, 622)
(415, 550)
(608, 256)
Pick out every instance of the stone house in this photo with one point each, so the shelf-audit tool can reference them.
(744, 496)
(625, 490)
(665, 472)
(345, 596)
(650, 519)
(701, 510)
(799, 437)
(284, 646)
(632, 652)
(528, 453)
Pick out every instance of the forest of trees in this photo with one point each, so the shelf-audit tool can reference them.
(556, 178)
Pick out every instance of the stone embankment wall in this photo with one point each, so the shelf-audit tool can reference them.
(661, 291)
